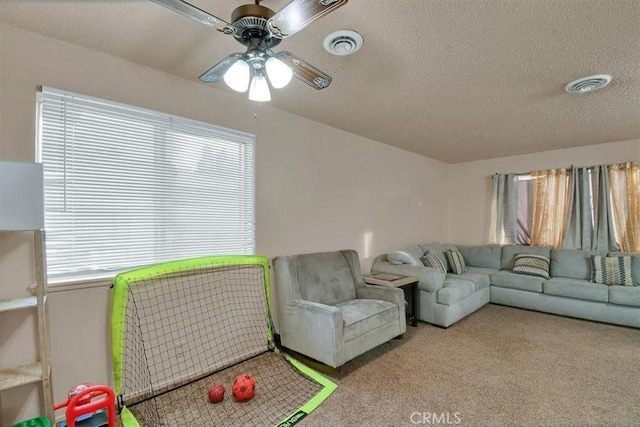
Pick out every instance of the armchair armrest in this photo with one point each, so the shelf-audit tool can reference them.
(313, 329)
(430, 278)
(319, 311)
(379, 292)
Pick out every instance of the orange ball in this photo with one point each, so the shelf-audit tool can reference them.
(243, 387)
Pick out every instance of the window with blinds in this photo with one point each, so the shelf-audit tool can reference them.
(127, 187)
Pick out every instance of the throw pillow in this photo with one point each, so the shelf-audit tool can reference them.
(456, 261)
(397, 258)
(431, 259)
(532, 265)
(615, 270)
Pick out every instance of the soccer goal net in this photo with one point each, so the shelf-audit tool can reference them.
(180, 327)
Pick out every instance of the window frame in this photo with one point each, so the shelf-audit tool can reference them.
(244, 143)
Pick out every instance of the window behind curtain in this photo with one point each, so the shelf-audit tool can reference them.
(126, 187)
(525, 208)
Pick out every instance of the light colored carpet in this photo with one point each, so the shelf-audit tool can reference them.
(500, 366)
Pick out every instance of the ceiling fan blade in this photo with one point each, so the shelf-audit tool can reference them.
(190, 11)
(300, 13)
(216, 73)
(305, 72)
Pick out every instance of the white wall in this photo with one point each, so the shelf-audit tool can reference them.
(318, 188)
(471, 187)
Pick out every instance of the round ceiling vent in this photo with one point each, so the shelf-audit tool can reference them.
(588, 84)
(343, 42)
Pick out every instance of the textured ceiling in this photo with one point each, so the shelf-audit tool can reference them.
(454, 80)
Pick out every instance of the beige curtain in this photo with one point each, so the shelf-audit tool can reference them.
(624, 179)
(551, 197)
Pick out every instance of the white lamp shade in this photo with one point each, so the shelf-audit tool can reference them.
(237, 77)
(279, 73)
(21, 196)
(259, 90)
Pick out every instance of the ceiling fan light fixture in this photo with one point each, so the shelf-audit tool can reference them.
(261, 29)
(237, 77)
(259, 90)
(279, 73)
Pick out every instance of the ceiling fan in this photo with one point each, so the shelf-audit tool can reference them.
(260, 29)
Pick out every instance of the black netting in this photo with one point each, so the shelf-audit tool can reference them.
(187, 330)
(280, 391)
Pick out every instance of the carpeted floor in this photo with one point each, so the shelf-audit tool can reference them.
(500, 366)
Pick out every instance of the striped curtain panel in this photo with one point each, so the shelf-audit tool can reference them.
(625, 199)
(589, 220)
(578, 233)
(551, 200)
(604, 234)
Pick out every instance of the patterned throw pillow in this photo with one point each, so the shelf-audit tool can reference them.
(431, 259)
(532, 265)
(615, 270)
(456, 261)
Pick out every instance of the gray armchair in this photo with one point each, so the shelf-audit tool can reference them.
(328, 313)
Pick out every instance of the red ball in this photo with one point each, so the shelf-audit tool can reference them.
(243, 387)
(216, 393)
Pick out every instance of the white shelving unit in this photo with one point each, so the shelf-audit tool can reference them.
(22, 209)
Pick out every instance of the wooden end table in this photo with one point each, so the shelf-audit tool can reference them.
(407, 283)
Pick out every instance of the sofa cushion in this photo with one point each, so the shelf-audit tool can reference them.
(479, 276)
(455, 290)
(572, 263)
(611, 270)
(531, 265)
(410, 255)
(363, 315)
(625, 295)
(486, 256)
(577, 289)
(508, 279)
(509, 253)
(440, 249)
(456, 261)
(482, 270)
(635, 264)
(431, 259)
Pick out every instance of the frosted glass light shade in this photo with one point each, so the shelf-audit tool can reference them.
(237, 77)
(259, 90)
(279, 73)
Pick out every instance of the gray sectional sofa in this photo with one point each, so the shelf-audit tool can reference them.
(489, 278)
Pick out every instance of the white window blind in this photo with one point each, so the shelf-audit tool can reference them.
(126, 187)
